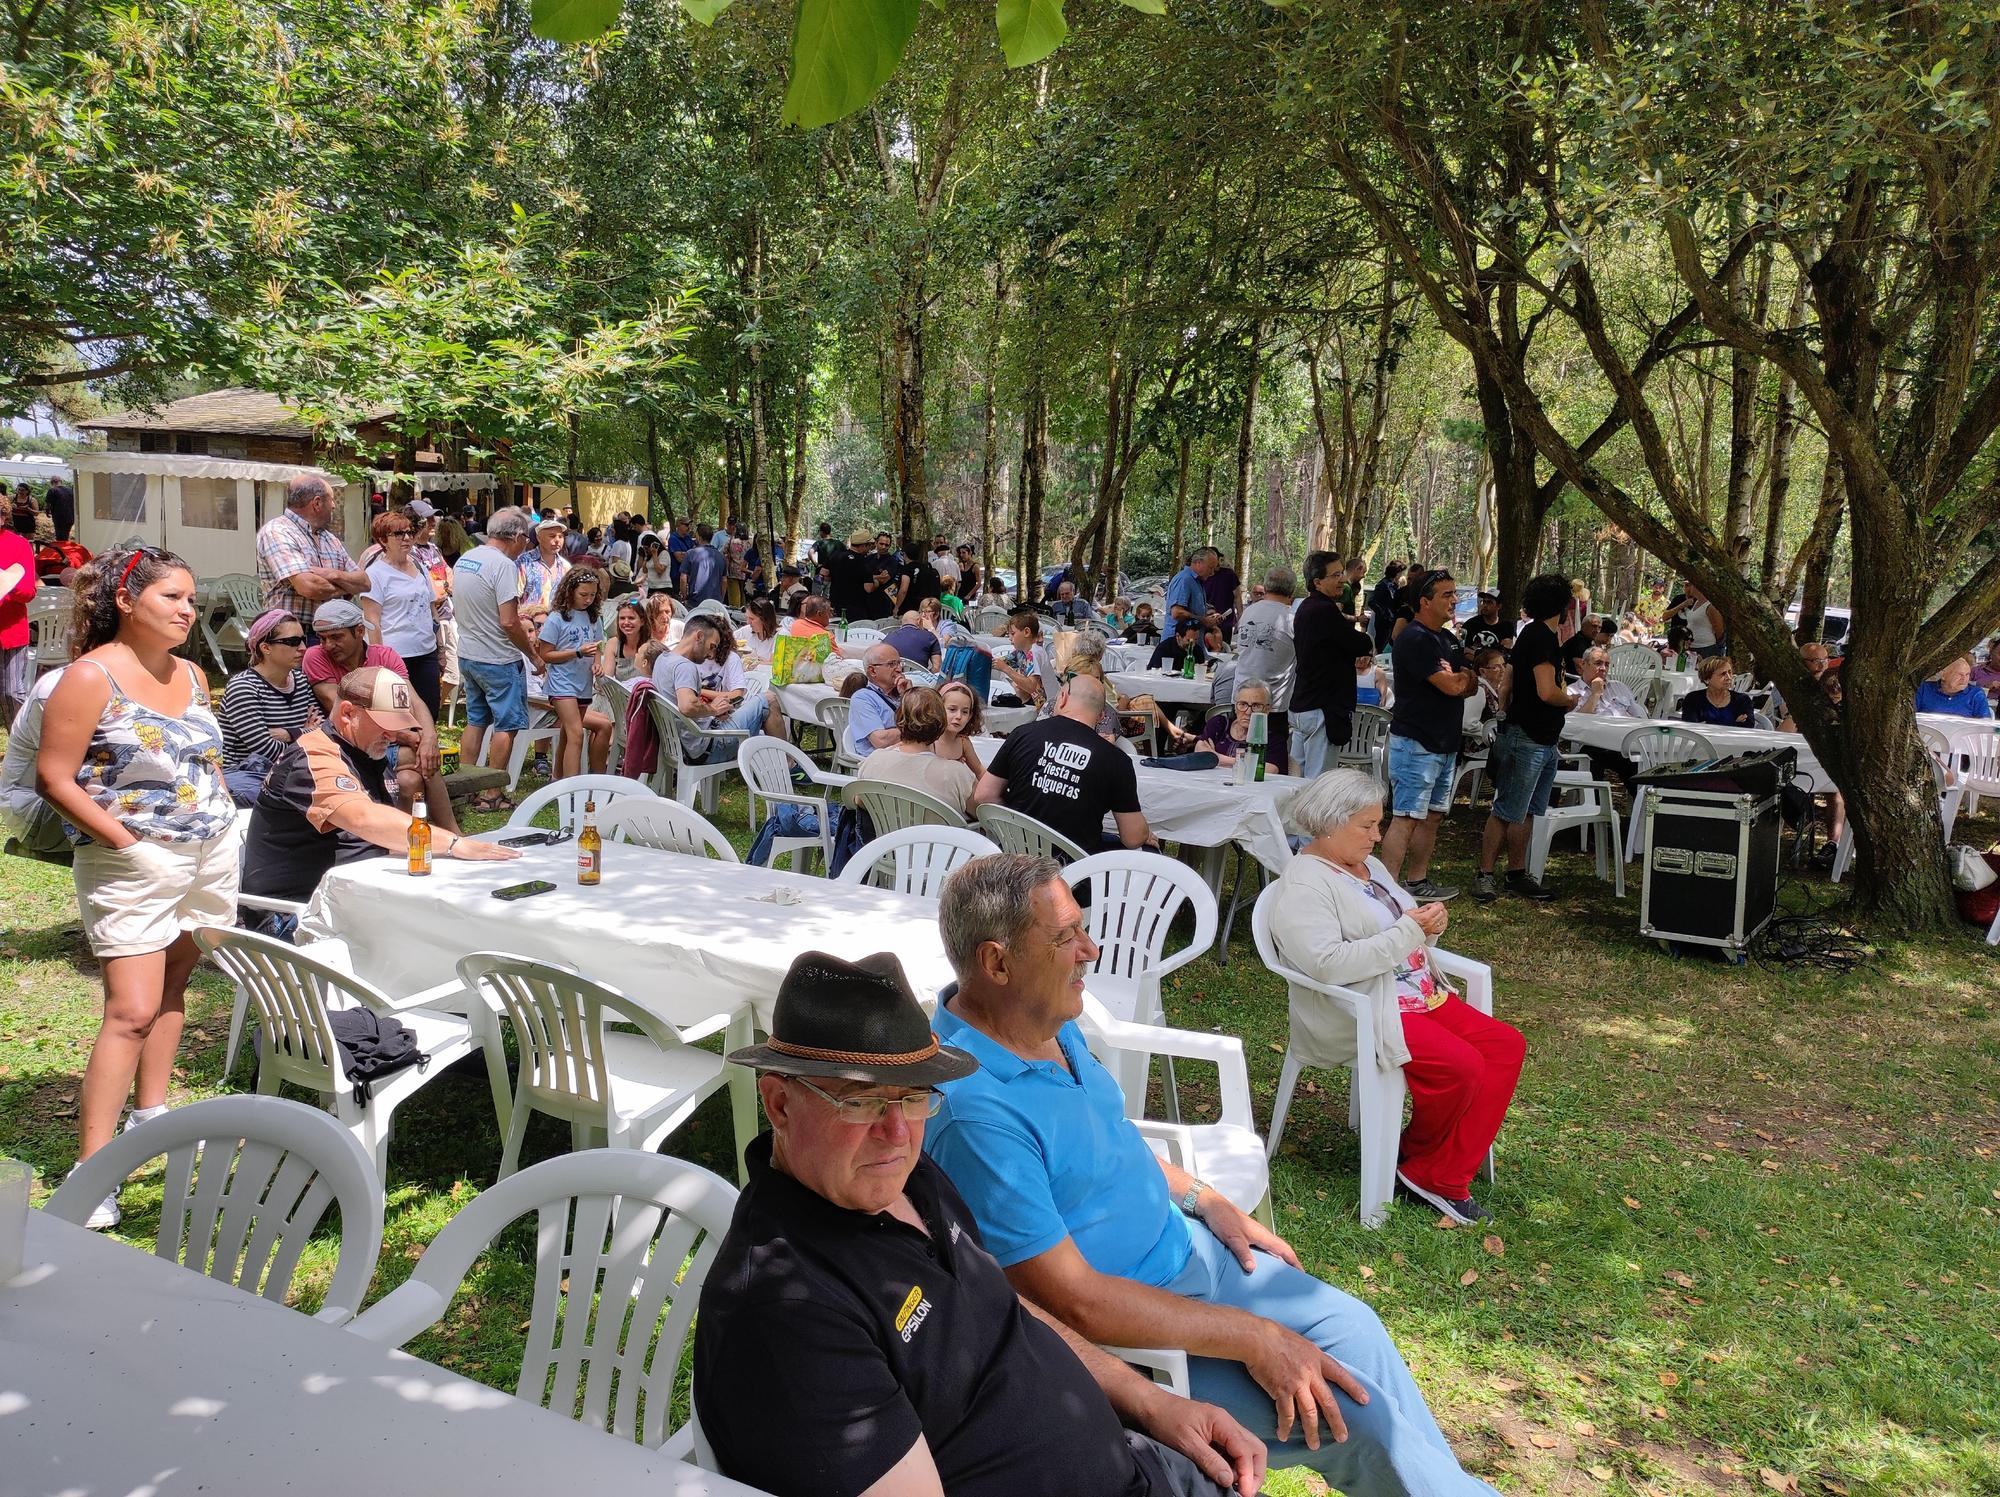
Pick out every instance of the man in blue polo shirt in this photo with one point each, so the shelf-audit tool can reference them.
(1093, 1227)
(1187, 594)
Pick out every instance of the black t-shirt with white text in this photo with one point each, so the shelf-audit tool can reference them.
(1422, 712)
(1067, 777)
(1526, 710)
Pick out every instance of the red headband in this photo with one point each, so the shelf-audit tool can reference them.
(126, 576)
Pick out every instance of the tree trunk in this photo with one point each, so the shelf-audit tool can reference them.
(1819, 555)
(1034, 486)
(1245, 438)
(990, 425)
(1181, 505)
(571, 434)
(1784, 426)
(657, 502)
(1744, 370)
(795, 499)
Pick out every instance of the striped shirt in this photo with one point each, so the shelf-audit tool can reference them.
(252, 706)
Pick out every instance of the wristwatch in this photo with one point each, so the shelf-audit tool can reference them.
(1193, 1195)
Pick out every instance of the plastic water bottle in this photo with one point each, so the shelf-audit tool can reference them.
(1260, 740)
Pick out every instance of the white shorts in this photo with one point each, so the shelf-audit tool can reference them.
(448, 651)
(139, 899)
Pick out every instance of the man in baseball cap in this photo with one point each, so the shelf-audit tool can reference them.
(852, 1328)
(330, 798)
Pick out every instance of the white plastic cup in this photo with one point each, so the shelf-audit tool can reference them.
(15, 1178)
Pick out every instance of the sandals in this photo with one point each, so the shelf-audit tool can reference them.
(498, 802)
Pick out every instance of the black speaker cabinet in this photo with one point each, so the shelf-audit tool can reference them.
(1711, 867)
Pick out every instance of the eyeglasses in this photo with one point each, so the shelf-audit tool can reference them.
(1253, 706)
(404, 531)
(289, 641)
(867, 1111)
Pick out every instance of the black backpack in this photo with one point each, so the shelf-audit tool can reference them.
(373, 1045)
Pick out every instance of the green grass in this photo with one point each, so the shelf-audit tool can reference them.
(1746, 1222)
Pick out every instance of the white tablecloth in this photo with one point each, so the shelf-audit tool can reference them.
(689, 938)
(1207, 808)
(800, 704)
(1609, 733)
(124, 1373)
(1168, 691)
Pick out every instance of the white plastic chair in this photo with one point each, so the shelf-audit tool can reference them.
(916, 859)
(247, 1179)
(833, 713)
(767, 764)
(689, 781)
(633, 1089)
(861, 636)
(1950, 793)
(1018, 833)
(1638, 667)
(48, 633)
(613, 697)
(1227, 1153)
(1977, 747)
(1375, 1096)
(568, 796)
(891, 808)
(1591, 810)
(292, 989)
(667, 825)
(1130, 901)
(1367, 743)
(632, 1233)
(1649, 747)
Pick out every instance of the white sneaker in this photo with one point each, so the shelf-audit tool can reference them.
(106, 1213)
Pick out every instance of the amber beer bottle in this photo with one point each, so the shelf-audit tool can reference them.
(420, 841)
(589, 846)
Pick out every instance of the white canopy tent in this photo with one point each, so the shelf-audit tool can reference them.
(208, 509)
(34, 468)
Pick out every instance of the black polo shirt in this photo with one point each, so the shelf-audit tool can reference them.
(829, 1340)
(292, 841)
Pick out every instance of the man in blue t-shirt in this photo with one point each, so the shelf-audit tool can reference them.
(1424, 730)
(703, 569)
(1127, 1248)
(1187, 594)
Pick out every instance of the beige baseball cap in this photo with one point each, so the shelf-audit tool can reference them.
(383, 695)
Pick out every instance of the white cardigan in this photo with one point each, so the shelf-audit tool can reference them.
(1327, 929)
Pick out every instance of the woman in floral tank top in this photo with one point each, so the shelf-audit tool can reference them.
(131, 756)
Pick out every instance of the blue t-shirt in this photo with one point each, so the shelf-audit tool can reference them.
(1041, 1151)
(569, 631)
(1187, 591)
(704, 572)
(1970, 702)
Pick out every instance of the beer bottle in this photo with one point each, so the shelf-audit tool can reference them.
(589, 846)
(420, 841)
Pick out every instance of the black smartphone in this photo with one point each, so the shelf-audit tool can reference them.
(528, 890)
(528, 839)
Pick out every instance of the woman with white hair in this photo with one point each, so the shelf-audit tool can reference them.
(1339, 918)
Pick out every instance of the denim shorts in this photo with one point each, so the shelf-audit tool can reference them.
(496, 696)
(1419, 780)
(1524, 773)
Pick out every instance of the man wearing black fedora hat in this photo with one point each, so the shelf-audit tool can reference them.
(1128, 1248)
(856, 1340)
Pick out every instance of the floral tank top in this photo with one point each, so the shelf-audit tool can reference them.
(160, 776)
(1419, 988)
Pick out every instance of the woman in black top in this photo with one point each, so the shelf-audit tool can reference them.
(1718, 704)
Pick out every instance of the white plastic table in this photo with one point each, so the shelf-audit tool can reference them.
(123, 1373)
(800, 702)
(1609, 733)
(690, 939)
(1168, 690)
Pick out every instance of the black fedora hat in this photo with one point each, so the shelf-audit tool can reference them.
(856, 1020)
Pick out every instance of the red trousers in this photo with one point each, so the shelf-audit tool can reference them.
(1461, 1074)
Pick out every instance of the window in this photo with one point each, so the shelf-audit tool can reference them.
(208, 503)
(119, 498)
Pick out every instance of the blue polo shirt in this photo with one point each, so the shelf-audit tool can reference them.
(871, 712)
(1041, 1151)
(1186, 590)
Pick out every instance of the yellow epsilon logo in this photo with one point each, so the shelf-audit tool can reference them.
(909, 1307)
